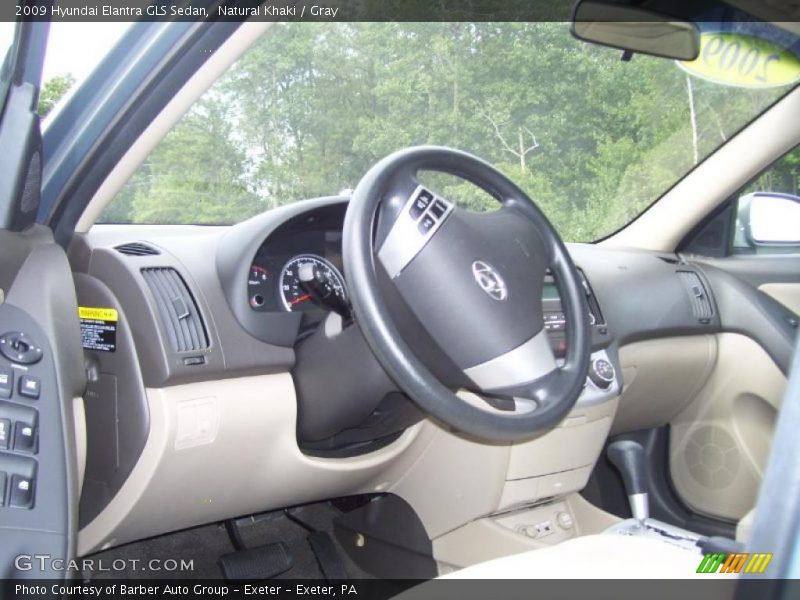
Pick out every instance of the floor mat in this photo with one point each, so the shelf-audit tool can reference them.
(203, 546)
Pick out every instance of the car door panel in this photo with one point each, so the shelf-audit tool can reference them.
(788, 294)
(40, 343)
(40, 302)
(746, 310)
(776, 275)
(720, 442)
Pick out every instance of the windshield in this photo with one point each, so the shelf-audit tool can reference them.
(593, 139)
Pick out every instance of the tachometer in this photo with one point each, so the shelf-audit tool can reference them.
(257, 285)
(292, 293)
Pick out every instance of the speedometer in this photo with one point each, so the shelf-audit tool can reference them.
(291, 291)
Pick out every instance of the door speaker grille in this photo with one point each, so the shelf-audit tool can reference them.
(712, 457)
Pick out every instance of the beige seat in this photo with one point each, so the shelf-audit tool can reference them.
(606, 556)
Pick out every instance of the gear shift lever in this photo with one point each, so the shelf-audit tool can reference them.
(629, 459)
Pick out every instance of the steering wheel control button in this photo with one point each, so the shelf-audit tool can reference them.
(438, 209)
(30, 387)
(25, 438)
(420, 204)
(426, 224)
(416, 224)
(21, 495)
(5, 433)
(601, 373)
(6, 382)
(19, 348)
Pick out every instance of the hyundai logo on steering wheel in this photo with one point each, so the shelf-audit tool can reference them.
(489, 280)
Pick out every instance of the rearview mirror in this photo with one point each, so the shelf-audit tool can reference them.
(770, 219)
(635, 29)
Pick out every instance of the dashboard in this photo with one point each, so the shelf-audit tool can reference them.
(238, 287)
(238, 281)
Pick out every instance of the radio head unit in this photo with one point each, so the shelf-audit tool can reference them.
(555, 323)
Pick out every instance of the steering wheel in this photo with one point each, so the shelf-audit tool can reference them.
(449, 299)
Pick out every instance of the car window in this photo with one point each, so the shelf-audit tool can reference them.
(307, 110)
(768, 210)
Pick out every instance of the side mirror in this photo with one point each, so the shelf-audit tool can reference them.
(770, 219)
(635, 29)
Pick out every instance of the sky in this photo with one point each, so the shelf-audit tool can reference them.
(77, 47)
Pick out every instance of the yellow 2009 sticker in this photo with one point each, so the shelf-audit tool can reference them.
(743, 60)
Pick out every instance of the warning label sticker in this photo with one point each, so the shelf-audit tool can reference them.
(99, 328)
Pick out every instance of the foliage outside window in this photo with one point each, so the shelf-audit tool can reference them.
(782, 177)
(591, 138)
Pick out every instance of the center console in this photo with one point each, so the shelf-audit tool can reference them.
(560, 462)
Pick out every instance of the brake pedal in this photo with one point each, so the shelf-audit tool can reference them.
(262, 562)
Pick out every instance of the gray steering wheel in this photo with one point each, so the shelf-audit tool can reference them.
(449, 299)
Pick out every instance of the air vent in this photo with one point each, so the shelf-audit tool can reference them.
(176, 306)
(594, 307)
(698, 296)
(136, 249)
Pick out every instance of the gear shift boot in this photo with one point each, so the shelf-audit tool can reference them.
(629, 459)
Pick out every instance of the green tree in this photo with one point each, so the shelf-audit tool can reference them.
(52, 91)
(312, 106)
(194, 175)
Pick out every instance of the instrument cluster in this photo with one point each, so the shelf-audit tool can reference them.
(298, 268)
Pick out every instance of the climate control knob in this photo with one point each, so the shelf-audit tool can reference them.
(601, 373)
